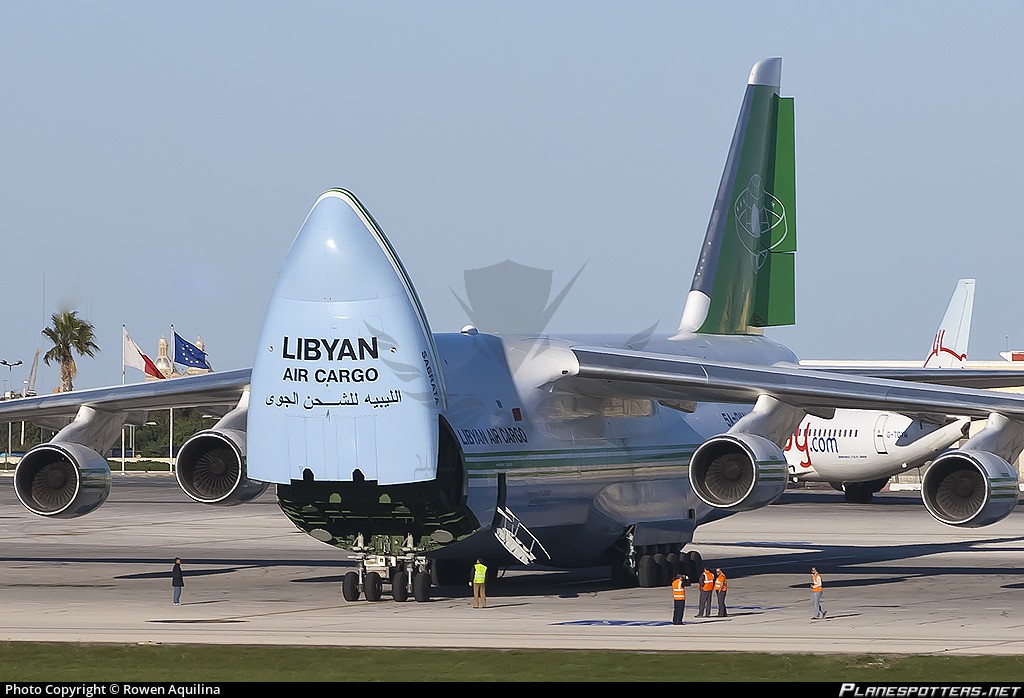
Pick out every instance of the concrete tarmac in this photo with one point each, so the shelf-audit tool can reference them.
(896, 581)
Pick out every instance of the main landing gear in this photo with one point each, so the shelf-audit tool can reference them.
(405, 572)
(860, 492)
(652, 567)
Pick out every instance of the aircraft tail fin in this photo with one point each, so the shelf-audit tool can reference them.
(745, 276)
(949, 347)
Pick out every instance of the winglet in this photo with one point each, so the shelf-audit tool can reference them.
(949, 347)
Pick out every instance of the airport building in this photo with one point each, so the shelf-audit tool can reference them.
(168, 368)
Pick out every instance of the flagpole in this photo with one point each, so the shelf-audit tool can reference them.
(124, 333)
(170, 412)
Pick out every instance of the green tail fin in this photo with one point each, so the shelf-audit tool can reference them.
(745, 275)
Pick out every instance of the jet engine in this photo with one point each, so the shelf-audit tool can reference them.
(211, 468)
(62, 480)
(738, 471)
(969, 488)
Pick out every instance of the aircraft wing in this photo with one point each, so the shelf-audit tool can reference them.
(210, 389)
(612, 372)
(1012, 377)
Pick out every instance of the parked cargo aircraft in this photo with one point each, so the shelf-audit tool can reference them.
(424, 451)
(857, 451)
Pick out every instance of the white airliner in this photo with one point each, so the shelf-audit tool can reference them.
(857, 451)
(423, 451)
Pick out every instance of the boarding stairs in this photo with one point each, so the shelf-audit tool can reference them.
(517, 538)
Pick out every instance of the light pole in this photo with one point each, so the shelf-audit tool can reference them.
(10, 366)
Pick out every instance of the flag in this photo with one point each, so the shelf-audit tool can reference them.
(134, 357)
(189, 354)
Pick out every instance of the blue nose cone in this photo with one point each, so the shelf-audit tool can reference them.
(346, 384)
(337, 255)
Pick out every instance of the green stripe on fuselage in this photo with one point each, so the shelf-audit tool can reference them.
(596, 460)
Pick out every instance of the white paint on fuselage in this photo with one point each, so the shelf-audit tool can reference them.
(864, 445)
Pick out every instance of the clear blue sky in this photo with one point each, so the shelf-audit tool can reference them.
(157, 160)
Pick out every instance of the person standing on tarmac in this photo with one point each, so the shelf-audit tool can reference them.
(678, 599)
(479, 584)
(720, 588)
(177, 581)
(707, 585)
(816, 589)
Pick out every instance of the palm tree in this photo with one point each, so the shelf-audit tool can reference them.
(70, 335)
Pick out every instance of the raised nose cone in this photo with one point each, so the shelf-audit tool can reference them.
(346, 383)
(338, 254)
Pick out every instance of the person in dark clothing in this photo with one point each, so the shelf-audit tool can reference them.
(177, 581)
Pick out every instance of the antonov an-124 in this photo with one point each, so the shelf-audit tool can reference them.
(419, 452)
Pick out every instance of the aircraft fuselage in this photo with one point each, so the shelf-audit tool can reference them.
(579, 472)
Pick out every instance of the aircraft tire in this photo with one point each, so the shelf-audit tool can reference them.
(674, 566)
(696, 565)
(858, 492)
(837, 486)
(648, 572)
(876, 485)
(374, 586)
(421, 587)
(350, 586)
(399, 586)
(663, 569)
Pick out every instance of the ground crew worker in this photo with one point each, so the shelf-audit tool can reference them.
(479, 584)
(678, 599)
(707, 585)
(720, 588)
(816, 589)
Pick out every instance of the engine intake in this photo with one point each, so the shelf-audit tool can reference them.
(969, 488)
(62, 480)
(739, 472)
(211, 468)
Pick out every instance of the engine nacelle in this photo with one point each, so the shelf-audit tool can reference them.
(62, 480)
(211, 468)
(969, 488)
(739, 472)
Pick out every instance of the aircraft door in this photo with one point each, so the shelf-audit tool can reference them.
(880, 434)
(512, 534)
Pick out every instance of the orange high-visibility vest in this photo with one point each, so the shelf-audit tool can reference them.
(678, 590)
(720, 582)
(709, 581)
(815, 582)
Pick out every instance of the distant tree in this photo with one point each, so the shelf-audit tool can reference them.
(152, 439)
(70, 335)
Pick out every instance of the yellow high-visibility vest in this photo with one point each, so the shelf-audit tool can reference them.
(479, 573)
